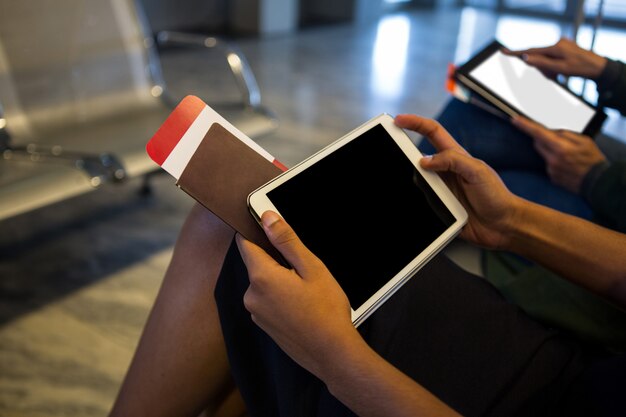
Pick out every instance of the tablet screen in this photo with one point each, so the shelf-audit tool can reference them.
(365, 211)
(527, 89)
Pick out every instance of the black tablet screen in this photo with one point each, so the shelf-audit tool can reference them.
(365, 211)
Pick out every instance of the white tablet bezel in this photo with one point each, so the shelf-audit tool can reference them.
(258, 202)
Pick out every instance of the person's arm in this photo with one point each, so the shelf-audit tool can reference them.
(308, 315)
(587, 254)
(580, 251)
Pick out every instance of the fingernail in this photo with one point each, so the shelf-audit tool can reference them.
(425, 161)
(269, 218)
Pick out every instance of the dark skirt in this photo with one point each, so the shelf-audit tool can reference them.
(449, 330)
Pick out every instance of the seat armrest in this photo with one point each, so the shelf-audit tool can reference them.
(246, 82)
(99, 168)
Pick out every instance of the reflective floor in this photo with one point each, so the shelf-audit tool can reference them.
(77, 279)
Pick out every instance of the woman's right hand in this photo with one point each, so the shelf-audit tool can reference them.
(492, 208)
(578, 250)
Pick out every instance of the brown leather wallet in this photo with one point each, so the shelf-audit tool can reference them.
(221, 174)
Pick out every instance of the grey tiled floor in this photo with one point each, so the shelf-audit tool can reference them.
(77, 279)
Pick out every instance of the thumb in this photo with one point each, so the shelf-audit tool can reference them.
(576, 137)
(283, 237)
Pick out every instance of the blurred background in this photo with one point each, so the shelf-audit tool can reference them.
(88, 222)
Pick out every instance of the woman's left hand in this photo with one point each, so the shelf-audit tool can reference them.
(304, 310)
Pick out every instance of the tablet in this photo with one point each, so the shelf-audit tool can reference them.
(516, 88)
(366, 208)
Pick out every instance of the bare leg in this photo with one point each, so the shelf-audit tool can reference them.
(180, 366)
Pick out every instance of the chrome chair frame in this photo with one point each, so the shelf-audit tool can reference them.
(106, 167)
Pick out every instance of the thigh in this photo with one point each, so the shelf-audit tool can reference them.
(182, 344)
(537, 187)
(453, 333)
(488, 137)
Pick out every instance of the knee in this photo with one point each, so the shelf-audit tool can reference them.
(202, 244)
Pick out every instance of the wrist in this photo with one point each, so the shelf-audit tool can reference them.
(598, 64)
(344, 355)
(516, 224)
(535, 227)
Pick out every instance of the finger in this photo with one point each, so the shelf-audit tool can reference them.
(541, 58)
(507, 51)
(436, 134)
(543, 50)
(551, 171)
(253, 256)
(555, 142)
(283, 237)
(543, 150)
(561, 178)
(545, 64)
(575, 137)
(533, 129)
(470, 169)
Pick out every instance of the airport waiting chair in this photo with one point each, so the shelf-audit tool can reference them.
(81, 92)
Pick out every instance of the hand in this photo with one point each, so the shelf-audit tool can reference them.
(569, 156)
(492, 208)
(566, 58)
(304, 310)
